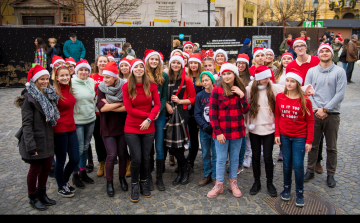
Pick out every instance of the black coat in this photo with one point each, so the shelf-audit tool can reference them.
(247, 50)
(50, 51)
(37, 134)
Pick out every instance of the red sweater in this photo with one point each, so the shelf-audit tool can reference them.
(189, 93)
(98, 79)
(303, 68)
(289, 120)
(66, 122)
(140, 108)
(252, 73)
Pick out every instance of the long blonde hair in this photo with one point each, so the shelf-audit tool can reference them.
(155, 74)
(254, 106)
(57, 86)
(132, 85)
(302, 99)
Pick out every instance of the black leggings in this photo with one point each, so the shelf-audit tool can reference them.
(99, 144)
(194, 140)
(268, 144)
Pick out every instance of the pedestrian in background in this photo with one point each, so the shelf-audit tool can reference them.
(53, 49)
(246, 48)
(342, 57)
(74, 48)
(352, 56)
(40, 53)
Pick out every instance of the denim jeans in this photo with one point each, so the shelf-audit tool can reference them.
(208, 154)
(344, 65)
(231, 147)
(242, 152)
(84, 133)
(159, 136)
(66, 142)
(293, 150)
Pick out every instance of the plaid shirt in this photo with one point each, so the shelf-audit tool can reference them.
(40, 57)
(226, 114)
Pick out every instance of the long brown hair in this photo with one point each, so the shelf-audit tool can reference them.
(302, 99)
(155, 74)
(121, 75)
(57, 86)
(172, 76)
(40, 88)
(41, 44)
(132, 85)
(246, 75)
(254, 106)
(237, 82)
(189, 74)
(96, 70)
(279, 73)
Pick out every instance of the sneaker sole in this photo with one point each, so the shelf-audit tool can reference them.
(63, 195)
(285, 199)
(135, 201)
(299, 205)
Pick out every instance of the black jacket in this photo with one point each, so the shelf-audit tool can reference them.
(247, 50)
(35, 133)
(50, 51)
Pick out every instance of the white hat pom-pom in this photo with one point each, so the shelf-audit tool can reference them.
(252, 78)
(273, 126)
(27, 84)
(251, 127)
(216, 77)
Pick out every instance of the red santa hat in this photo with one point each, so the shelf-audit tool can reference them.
(125, 60)
(243, 57)
(262, 72)
(186, 54)
(294, 73)
(134, 63)
(148, 53)
(174, 51)
(195, 57)
(287, 55)
(179, 58)
(228, 67)
(35, 73)
(339, 38)
(299, 40)
(82, 64)
(220, 51)
(188, 43)
(111, 69)
(258, 50)
(269, 50)
(56, 59)
(339, 34)
(326, 46)
(110, 56)
(70, 60)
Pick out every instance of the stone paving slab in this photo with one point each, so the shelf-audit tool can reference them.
(181, 199)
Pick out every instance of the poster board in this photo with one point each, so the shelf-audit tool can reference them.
(261, 41)
(113, 46)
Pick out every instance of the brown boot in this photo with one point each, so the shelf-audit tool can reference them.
(171, 160)
(205, 181)
(318, 168)
(128, 173)
(101, 171)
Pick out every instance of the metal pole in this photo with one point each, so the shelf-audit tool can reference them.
(208, 12)
(315, 18)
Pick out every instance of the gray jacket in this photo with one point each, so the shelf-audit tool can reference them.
(329, 85)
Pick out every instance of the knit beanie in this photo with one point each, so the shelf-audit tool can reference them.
(211, 75)
(247, 41)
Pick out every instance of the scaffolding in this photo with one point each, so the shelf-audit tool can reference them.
(68, 13)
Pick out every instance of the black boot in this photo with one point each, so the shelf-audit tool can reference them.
(84, 177)
(255, 188)
(77, 182)
(36, 203)
(185, 174)
(149, 180)
(134, 197)
(308, 176)
(271, 189)
(44, 198)
(110, 188)
(144, 188)
(191, 164)
(178, 178)
(159, 171)
(123, 184)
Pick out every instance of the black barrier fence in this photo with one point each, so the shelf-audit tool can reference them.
(17, 48)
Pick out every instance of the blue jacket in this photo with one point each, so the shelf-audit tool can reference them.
(75, 50)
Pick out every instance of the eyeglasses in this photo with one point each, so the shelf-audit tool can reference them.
(301, 46)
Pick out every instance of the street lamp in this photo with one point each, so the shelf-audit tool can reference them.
(316, 6)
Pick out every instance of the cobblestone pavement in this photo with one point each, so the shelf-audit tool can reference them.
(181, 199)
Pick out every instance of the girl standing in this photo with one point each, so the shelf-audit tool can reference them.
(286, 58)
(36, 146)
(269, 60)
(294, 132)
(71, 63)
(40, 53)
(228, 103)
(112, 123)
(97, 76)
(139, 92)
(180, 94)
(154, 69)
(84, 115)
(66, 140)
(220, 57)
(124, 68)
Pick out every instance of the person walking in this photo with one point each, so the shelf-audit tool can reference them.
(201, 114)
(154, 69)
(139, 93)
(74, 48)
(352, 56)
(228, 102)
(83, 88)
(294, 132)
(246, 48)
(342, 57)
(36, 143)
(40, 53)
(112, 125)
(329, 82)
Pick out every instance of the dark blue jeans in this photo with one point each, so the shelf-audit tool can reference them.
(159, 136)
(293, 150)
(242, 152)
(66, 142)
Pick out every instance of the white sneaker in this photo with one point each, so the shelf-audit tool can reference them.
(247, 162)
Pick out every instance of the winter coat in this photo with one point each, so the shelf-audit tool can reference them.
(247, 50)
(352, 52)
(342, 57)
(336, 51)
(50, 51)
(283, 47)
(75, 50)
(35, 133)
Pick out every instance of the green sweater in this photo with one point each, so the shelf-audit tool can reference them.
(162, 89)
(84, 93)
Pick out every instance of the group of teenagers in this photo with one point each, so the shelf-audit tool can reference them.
(238, 113)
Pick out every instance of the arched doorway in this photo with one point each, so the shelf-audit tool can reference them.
(349, 15)
(217, 22)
